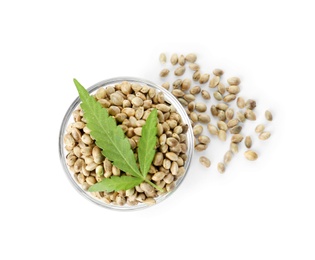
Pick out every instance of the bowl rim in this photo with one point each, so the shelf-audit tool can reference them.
(169, 98)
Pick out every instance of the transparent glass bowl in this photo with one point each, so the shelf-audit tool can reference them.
(69, 119)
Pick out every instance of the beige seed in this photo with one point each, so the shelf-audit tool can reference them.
(174, 168)
(69, 141)
(162, 58)
(221, 115)
(218, 72)
(86, 139)
(204, 118)
(166, 85)
(240, 102)
(194, 66)
(221, 167)
(181, 60)
(250, 104)
(212, 129)
(194, 117)
(251, 155)
(232, 123)
(164, 72)
(248, 141)
(172, 156)
(240, 116)
(217, 95)
(250, 115)
(205, 94)
(222, 126)
(158, 176)
(162, 107)
(189, 97)
(214, 110)
(260, 128)
(228, 157)
(196, 75)
(197, 130)
(97, 155)
(222, 135)
(214, 82)
(204, 161)
(204, 78)
(203, 139)
(177, 84)
(229, 98)
(158, 159)
(178, 93)
(234, 81)
(221, 88)
(186, 84)
(200, 147)
(234, 147)
(222, 106)
(264, 135)
(183, 102)
(229, 113)
(191, 106)
(233, 89)
(179, 71)
(236, 129)
(268, 115)
(195, 90)
(90, 180)
(174, 59)
(100, 93)
(191, 57)
(237, 138)
(201, 107)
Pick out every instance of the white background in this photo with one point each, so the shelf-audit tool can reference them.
(256, 210)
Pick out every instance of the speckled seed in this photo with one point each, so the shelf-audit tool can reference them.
(222, 135)
(158, 176)
(229, 98)
(232, 123)
(178, 93)
(174, 168)
(234, 147)
(191, 57)
(214, 82)
(268, 115)
(204, 118)
(234, 81)
(194, 117)
(217, 96)
(260, 128)
(214, 110)
(179, 71)
(204, 78)
(197, 129)
(164, 72)
(264, 135)
(221, 88)
(229, 113)
(162, 58)
(240, 116)
(248, 141)
(191, 106)
(250, 104)
(189, 97)
(221, 115)
(212, 129)
(228, 157)
(250, 115)
(195, 90)
(181, 60)
(222, 126)
(177, 84)
(201, 107)
(237, 138)
(196, 75)
(236, 129)
(251, 155)
(172, 156)
(183, 102)
(158, 159)
(200, 147)
(186, 84)
(166, 85)
(174, 59)
(204, 161)
(194, 66)
(218, 72)
(233, 89)
(221, 167)
(203, 139)
(205, 94)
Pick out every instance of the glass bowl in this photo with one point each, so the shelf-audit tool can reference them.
(169, 98)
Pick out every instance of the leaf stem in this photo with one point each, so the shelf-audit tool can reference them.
(155, 186)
